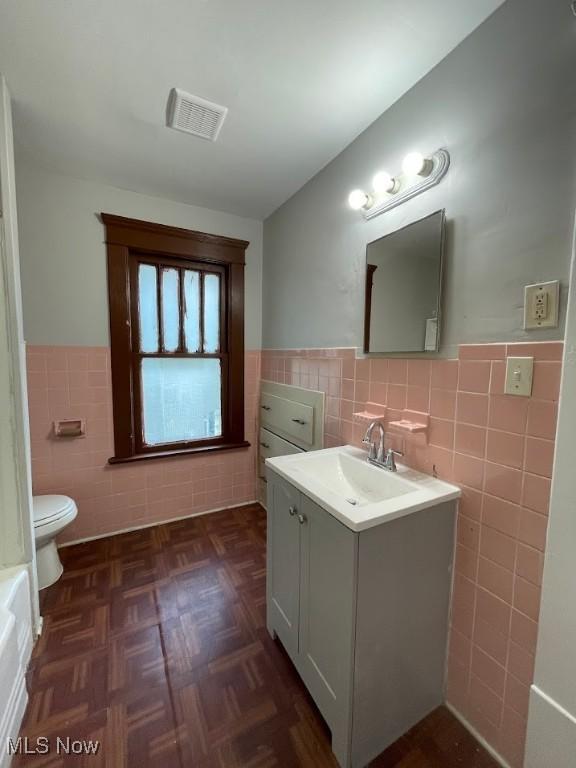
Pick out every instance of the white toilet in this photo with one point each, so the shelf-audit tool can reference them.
(51, 515)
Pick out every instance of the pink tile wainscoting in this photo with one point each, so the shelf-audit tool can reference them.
(499, 449)
(75, 383)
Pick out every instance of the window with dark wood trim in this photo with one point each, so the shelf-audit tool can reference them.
(176, 302)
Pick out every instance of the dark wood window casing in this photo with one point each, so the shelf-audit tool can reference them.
(370, 269)
(131, 242)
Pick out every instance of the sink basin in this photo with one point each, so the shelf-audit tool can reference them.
(357, 493)
(353, 480)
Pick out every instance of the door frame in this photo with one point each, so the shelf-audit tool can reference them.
(17, 544)
(551, 735)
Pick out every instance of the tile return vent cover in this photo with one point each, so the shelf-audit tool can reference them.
(194, 115)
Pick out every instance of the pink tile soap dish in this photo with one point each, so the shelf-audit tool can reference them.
(372, 412)
(412, 427)
(410, 424)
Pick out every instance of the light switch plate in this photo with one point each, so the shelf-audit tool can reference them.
(519, 371)
(541, 305)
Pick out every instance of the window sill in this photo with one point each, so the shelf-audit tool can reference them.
(179, 452)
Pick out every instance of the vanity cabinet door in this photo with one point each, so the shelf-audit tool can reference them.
(283, 561)
(327, 616)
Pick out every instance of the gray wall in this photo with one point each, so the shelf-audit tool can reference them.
(63, 256)
(503, 104)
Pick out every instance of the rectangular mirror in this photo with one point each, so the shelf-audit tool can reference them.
(403, 288)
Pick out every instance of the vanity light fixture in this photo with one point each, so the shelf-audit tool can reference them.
(383, 182)
(419, 173)
(358, 199)
(415, 164)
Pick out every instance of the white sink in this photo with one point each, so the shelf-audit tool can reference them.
(357, 493)
(353, 480)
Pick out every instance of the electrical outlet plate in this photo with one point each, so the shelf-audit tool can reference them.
(519, 371)
(541, 305)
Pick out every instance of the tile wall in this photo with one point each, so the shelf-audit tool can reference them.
(75, 383)
(499, 449)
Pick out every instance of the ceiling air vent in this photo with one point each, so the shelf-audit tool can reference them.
(194, 115)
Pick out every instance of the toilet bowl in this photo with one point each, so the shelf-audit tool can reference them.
(51, 515)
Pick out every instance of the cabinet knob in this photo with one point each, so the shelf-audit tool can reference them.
(301, 518)
(291, 511)
(264, 445)
(265, 407)
(299, 421)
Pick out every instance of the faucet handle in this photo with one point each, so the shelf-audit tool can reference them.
(389, 462)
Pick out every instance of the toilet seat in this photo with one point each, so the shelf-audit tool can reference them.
(48, 509)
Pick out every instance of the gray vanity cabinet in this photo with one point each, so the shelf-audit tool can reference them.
(283, 570)
(363, 616)
(328, 553)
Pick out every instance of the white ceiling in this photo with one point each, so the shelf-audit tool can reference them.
(301, 78)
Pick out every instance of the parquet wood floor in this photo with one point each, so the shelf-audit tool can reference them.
(155, 645)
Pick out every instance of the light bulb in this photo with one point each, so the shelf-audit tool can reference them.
(358, 199)
(416, 164)
(383, 182)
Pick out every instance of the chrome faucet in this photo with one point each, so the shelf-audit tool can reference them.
(376, 451)
(377, 454)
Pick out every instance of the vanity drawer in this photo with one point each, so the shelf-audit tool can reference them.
(271, 445)
(293, 420)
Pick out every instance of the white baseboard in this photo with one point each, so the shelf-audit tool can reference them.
(156, 522)
(499, 759)
(551, 733)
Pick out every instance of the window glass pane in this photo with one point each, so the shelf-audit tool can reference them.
(211, 313)
(148, 308)
(170, 310)
(192, 310)
(181, 399)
